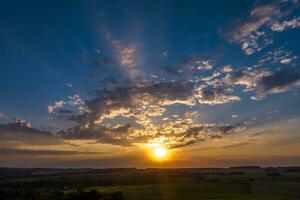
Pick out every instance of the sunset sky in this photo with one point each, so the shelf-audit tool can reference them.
(106, 83)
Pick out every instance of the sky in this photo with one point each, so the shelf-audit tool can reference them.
(104, 83)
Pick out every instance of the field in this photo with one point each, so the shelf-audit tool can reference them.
(191, 191)
(237, 183)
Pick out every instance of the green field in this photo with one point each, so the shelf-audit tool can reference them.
(191, 191)
(250, 183)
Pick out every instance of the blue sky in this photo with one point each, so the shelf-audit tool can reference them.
(124, 73)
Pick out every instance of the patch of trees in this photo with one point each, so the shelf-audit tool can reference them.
(58, 195)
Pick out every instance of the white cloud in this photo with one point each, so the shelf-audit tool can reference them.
(279, 55)
(255, 42)
(279, 27)
(286, 60)
(74, 101)
(199, 64)
(227, 69)
(57, 104)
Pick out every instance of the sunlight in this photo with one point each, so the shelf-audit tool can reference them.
(160, 152)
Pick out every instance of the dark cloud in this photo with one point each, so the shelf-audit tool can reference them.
(175, 134)
(203, 132)
(65, 112)
(279, 81)
(265, 82)
(31, 152)
(102, 134)
(247, 77)
(19, 132)
(139, 102)
(260, 133)
(122, 100)
(20, 125)
(217, 95)
(235, 145)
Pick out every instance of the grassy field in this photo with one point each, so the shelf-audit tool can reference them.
(251, 183)
(192, 191)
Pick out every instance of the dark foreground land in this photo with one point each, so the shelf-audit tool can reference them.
(236, 183)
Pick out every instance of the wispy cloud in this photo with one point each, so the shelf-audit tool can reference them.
(250, 33)
(128, 57)
(290, 24)
(74, 101)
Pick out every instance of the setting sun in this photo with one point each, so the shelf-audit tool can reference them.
(160, 152)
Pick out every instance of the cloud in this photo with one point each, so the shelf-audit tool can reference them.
(227, 69)
(190, 133)
(260, 133)
(41, 152)
(282, 26)
(235, 145)
(134, 113)
(265, 82)
(135, 110)
(144, 100)
(74, 101)
(217, 95)
(286, 60)
(279, 81)
(18, 132)
(19, 122)
(118, 135)
(57, 104)
(192, 63)
(172, 134)
(247, 77)
(134, 100)
(248, 31)
(127, 56)
(255, 42)
(279, 55)
(213, 76)
(259, 16)
(141, 105)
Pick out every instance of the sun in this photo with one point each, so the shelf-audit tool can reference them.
(160, 152)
